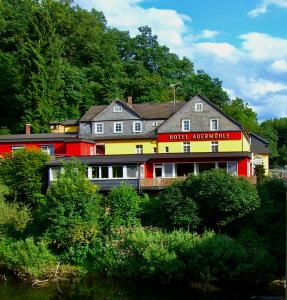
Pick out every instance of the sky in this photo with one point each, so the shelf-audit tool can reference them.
(241, 42)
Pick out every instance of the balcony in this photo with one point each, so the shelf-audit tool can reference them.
(161, 183)
(157, 183)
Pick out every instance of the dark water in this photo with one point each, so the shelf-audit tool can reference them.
(107, 289)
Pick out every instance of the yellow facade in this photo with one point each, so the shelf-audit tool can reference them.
(265, 161)
(114, 147)
(128, 146)
(65, 129)
(205, 146)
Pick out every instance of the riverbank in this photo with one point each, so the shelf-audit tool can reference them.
(99, 287)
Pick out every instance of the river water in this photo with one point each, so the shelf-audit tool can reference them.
(98, 288)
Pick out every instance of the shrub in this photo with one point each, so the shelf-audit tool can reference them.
(26, 257)
(72, 209)
(123, 206)
(24, 174)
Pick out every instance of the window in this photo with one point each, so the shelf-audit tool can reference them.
(232, 167)
(198, 107)
(185, 125)
(184, 169)
(139, 149)
(214, 146)
(99, 128)
(118, 172)
(100, 149)
(137, 126)
(118, 127)
(154, 124)
(168, 170)
(96, 172)
(166, 149)
(54, 173)
(158, 170)
(99, 172)
(16, 148)
(202, 167)
(186, 147)
(214, 124)
(132, 171)
(118, 108)
(48, 149)
(154, 150)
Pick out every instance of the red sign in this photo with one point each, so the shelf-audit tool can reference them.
(199, 136)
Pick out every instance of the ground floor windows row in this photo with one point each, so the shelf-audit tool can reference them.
(160, 170)
(169, 170)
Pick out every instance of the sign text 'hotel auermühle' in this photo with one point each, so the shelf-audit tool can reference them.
(199, 136)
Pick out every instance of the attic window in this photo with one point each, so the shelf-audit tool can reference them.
(198, 106)
(118, 109)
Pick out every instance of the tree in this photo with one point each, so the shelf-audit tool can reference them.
(24, 173)
(72, 210)
(242, 113)
(123, 206)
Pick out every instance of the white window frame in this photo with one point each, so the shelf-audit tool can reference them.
(139, 147)
(154, 124)
(47, 147)
(210, 124)
(185, 144)
(15, 148)
(96, 128)
(214, 143)
(115, 126)
(182, 125)
(118, 109)
(198, 106)
(135, 124)
(162, 167)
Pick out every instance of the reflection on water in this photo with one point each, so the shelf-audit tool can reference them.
(95, 287)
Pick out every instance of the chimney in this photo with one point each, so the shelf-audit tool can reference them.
(130, 100)
(28, 128)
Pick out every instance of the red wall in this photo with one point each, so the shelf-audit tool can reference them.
(243, 165)
(60, 148)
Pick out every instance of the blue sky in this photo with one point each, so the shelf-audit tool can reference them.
(242, 42)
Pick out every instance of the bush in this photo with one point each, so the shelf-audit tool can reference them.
(24, 174)
(26, 257)
(72, 209)
(152, 254)
(123, 206)
(212, 200)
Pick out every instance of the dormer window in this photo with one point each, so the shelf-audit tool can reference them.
(214, 124)
(99, 128)
(118, 108)
(154, 124)
(185, 125)
(198, 107)
(137, 126)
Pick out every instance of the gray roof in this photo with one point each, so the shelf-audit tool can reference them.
(39, 137)
(139, 158)
(258, 144)
(149, 135)
(66, 122)
(147, 111)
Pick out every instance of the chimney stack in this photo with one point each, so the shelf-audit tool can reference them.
(130, 100)
(27, 128)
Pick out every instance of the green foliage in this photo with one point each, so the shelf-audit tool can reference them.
(24, 174)
(242, 113)
(260, 173)
(175, 210)
(72, 210)
(152, 254)
(212, 199)
(123, 206)
(270, 134)
(26, 257)
(13, 217)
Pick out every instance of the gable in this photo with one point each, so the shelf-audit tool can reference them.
(117, 111)
(199, 120)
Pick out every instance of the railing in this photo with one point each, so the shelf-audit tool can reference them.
(164, 182)
(158, 182)
(280, 173)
